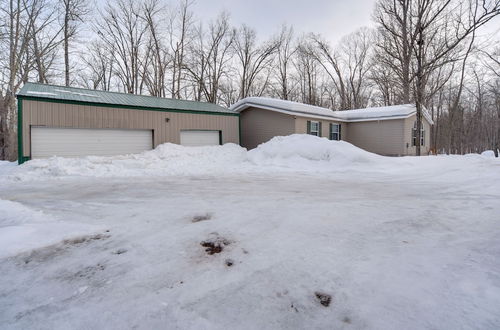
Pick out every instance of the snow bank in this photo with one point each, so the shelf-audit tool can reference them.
(7, 167)
(166, 159)
(297, 152)
(23, 229)
(302, 151)
(488, 153)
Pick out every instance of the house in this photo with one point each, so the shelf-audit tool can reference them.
(64, 121)
(385, 130)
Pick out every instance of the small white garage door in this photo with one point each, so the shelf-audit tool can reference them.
(200, 138)
(75, 142)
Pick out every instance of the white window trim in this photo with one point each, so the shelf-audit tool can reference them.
(414, 135)
(315, 132)
(332, 132)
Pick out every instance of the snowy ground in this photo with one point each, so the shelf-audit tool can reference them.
(398, 243)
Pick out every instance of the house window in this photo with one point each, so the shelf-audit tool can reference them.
(314, 128)
(414, 134)
(335, 132)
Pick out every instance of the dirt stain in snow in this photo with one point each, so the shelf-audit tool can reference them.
(347, 320)
(49, 252)
(83, 239)
(88, 272)
(201, 217)
(215, 244)
(324, 298)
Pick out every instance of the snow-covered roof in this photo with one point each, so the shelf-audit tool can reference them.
(382, 113)
(284, 106)
(296, 108)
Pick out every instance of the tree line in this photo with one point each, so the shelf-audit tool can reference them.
(428, 52)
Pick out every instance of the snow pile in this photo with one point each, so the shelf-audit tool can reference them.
(166, 159)
(299, 151)
(23, 229)
(7, 167)
(295, 152)
(488, 153)
(13, 213)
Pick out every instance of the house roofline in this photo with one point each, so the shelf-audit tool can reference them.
(247, 105)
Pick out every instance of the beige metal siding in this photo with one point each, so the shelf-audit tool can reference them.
(301, 127)
(38, 113)
(384, 137)
(408, 131)
(259, 126)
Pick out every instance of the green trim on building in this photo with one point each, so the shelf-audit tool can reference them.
(123, 106)
(75, 96)
(20, 154)
(19, 131)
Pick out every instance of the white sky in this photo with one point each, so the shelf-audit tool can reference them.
(332, 18)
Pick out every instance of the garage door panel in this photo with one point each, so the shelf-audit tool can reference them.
(75, 142)
(200, 138)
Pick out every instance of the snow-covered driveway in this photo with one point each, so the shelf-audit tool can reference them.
(407, 244)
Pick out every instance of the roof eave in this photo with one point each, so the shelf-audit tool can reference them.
(247, 105)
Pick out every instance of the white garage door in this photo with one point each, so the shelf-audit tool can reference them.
(75, 142)
(200, 138)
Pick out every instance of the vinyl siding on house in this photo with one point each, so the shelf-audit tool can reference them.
(408, 138)
(301, 127)
(50, 114)
(384, 137)
(259, 126)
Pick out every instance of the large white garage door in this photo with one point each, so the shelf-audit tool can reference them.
(75, 142)
(200, 138)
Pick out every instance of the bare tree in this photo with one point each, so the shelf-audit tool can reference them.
(356, 52)
(74, 12)
(421, 36)
(330, 61)
(99, 65)
(159, 57)
(347, 67)
(308, 73)
(252, 61)
(210, 58)
(121, 30)
(28, 42)
(45, 38)
(15, 42)
(285, 52)
(180, 35)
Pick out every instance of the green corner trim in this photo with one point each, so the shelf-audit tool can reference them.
(123, 106)
(19, 131)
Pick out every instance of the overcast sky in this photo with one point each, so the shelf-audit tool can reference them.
(332, 18)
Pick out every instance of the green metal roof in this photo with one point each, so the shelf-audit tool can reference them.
(72, 94)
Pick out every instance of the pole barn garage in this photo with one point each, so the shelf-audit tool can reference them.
(73, 122)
